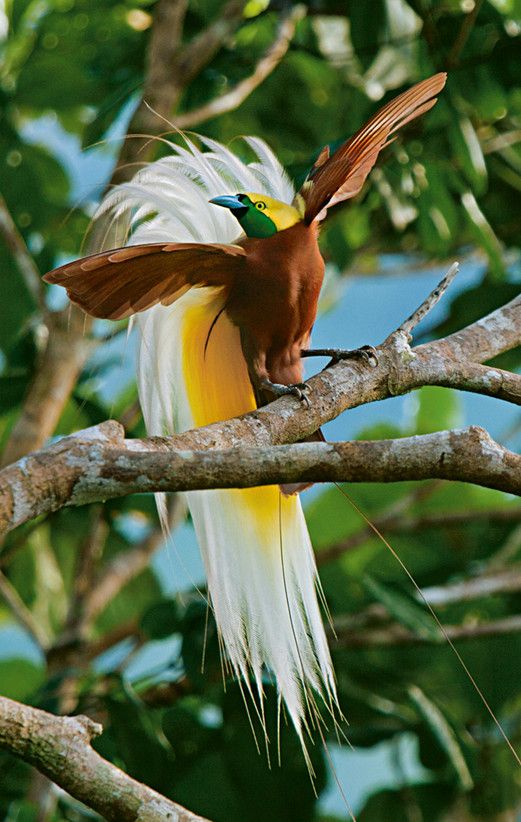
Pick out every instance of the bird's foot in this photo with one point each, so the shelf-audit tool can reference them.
(367, 353)
(297, 390)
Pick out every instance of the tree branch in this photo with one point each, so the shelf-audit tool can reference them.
(403, 523)
(484, 585)
(21, 255)
(395, 634)
(171, 67)
(266, 65)
(99, 464)
(66, 352)
(21, 612)
(60, 748)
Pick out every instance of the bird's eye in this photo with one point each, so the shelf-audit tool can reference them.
(260, 206)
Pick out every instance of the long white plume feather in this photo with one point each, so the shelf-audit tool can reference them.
(257, 552)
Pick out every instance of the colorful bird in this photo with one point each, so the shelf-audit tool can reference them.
(224, 323)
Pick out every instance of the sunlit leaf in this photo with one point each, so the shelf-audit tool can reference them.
(444, 733)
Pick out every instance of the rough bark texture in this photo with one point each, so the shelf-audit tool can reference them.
(99, 463)
(60, 748)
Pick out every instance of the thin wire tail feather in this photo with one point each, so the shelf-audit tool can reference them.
(340, 177)
(191, 372)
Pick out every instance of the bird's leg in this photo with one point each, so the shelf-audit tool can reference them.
(366, 353)
(297, 390)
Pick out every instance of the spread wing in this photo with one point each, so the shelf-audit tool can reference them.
(337, 178)
(118, 283)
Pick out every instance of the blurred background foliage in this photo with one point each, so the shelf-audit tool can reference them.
(101, 629)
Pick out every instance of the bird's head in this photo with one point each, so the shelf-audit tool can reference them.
(259, 215)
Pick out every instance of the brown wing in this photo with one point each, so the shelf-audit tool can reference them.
(118, 283)
(337, 178)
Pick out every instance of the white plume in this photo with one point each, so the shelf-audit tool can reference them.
(261, 576)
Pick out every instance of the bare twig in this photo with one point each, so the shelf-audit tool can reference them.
(21, 612)
(66, 352)
(266, 65)
(428, 304)
(84, 578)
(59, 747)
(118, 573)
(404, 523)
(22, 256)
(501, 582)
(463, 34)
(171, 66)
(395, 634)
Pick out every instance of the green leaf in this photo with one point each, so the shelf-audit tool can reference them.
(200, 647)
(438, 409)
(483, 234)
(444, 734)
(188, 736)
(469, 153)
(278, 794)
(19, 678)
(404, 609)
(438, 220)
(161, 620)
(151, 760)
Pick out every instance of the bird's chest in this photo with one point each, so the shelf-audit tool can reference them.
(279, 293)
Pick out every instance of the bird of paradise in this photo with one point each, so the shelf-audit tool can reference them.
(224, 321)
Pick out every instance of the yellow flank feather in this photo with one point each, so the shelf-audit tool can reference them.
(282, 214)
(218, 387)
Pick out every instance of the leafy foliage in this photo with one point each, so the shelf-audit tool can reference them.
(451, 187)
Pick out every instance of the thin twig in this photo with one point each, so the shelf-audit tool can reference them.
(488, 584)
(21, 612)
(266, 65)
(22, 256)
(399, 522)
(397, 635)
(463, 35)
(428, 304)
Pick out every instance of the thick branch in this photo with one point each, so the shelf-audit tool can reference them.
(266, 65)
(60, 748)
(499, 331)
(99, 464)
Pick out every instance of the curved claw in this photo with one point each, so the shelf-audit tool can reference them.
(367, 353)
(298, 390)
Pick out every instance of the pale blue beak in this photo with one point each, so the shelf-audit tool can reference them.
(230, 201)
